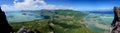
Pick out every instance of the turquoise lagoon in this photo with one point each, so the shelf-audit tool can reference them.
(99, 21)
(17, 16)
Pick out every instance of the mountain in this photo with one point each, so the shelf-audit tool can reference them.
(115, 26)
(4, 26)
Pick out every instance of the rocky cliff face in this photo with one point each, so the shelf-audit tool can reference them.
(4, 26)
(115, 26)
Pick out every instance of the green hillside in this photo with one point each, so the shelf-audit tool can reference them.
(62, 21)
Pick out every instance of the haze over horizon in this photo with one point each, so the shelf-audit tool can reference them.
(80, 5)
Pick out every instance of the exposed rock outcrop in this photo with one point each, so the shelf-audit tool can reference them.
(115, 26)
(4, 26)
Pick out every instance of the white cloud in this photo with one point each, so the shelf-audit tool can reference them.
(31, 5)
(104, 9)
(7, 8)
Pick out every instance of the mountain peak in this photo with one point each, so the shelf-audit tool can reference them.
(115, 28)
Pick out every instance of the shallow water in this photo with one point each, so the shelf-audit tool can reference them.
(99, 22)
(22, 16)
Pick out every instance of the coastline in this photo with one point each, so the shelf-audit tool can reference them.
(92, 24)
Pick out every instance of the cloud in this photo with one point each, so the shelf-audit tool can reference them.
(31, 5)
(104, 9)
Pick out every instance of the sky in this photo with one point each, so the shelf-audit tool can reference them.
(80, 5)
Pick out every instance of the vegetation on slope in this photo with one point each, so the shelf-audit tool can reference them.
(62, 21)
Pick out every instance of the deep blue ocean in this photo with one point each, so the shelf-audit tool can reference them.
(102, 12)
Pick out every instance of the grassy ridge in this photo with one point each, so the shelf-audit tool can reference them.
(65, 21)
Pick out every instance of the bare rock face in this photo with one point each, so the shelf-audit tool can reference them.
(115, 26)
(4, 26)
